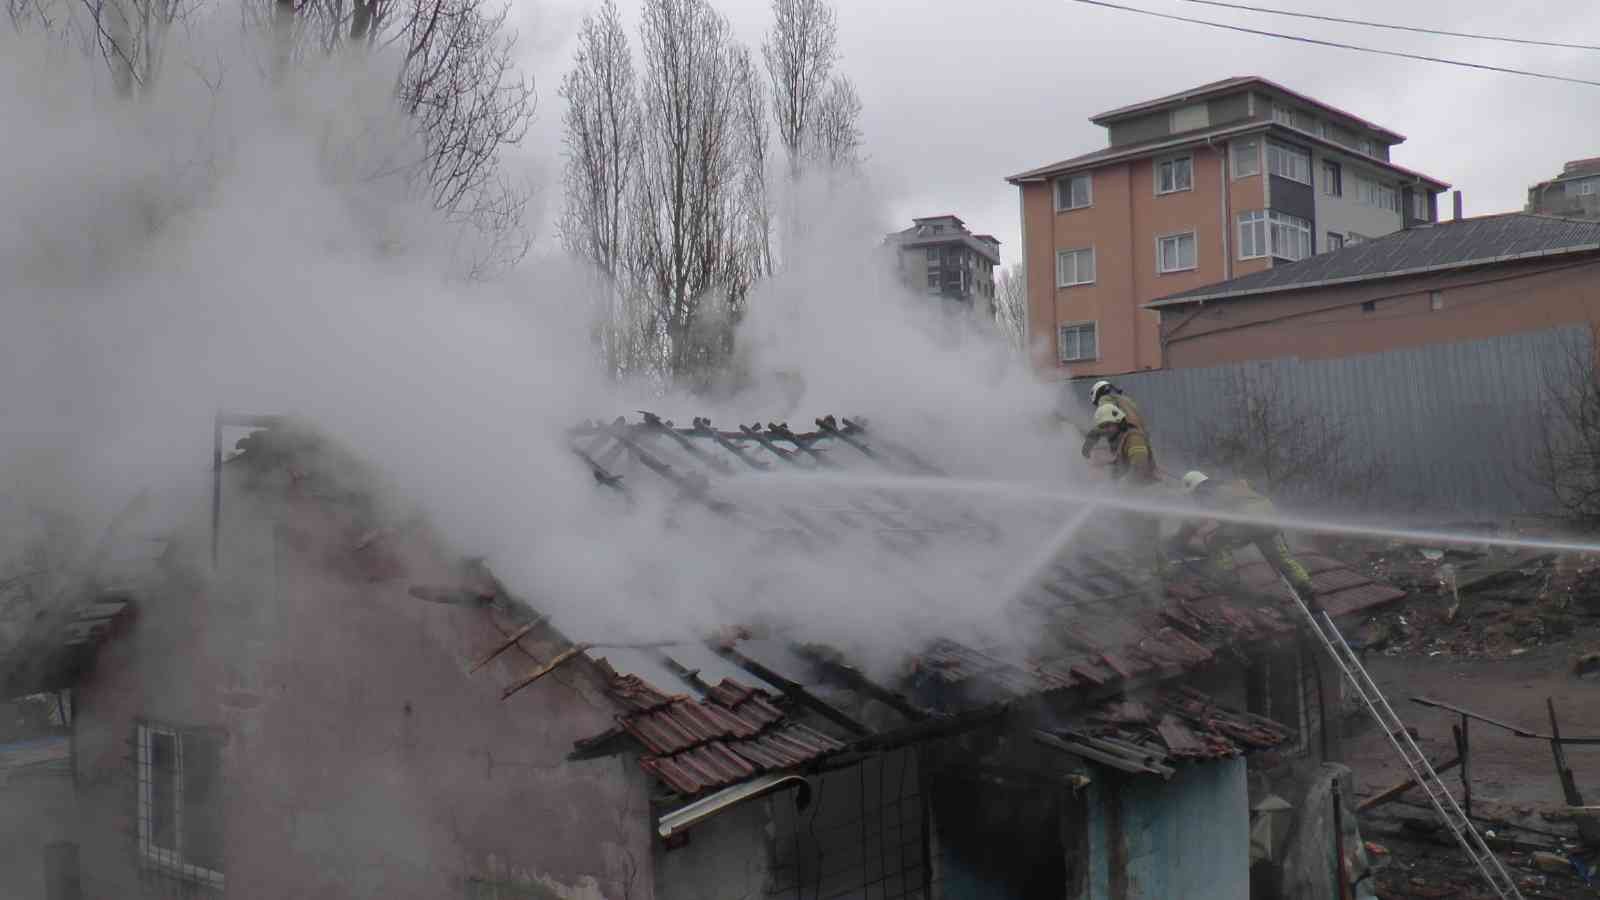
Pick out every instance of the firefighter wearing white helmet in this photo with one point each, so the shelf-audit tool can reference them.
(1222, 538)
(1131, 456)
(1102, 394)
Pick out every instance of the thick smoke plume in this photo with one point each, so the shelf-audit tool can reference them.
(227, 242)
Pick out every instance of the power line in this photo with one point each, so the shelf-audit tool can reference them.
(1342, 46)
(1411, 28)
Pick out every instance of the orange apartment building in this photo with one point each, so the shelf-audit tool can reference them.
(1193, 188)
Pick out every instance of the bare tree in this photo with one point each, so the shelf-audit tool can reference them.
(753, 148)
(1011, 304)
(602, 137)
(690, 212)
(836, 126)
(799, 51)
(1566, 434)
(1288, 449)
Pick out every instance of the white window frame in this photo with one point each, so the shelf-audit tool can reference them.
(1283, 115)
(1284, 151)
(1301, 228)
(1178, 236)
(168, 860)
(1069, 181)
(1064, 327)
(1255, 157)
(1419, 205)
(1332, 238)
(1060, 283)
(1256, 223)
(1586, 188)
(1173, 161)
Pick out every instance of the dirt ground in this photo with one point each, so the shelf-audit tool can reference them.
(1502, 655)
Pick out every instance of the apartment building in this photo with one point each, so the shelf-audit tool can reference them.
(1574, 194)
(939, 255)
(1197, 187)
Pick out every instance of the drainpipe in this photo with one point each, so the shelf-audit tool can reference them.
(1227, 252)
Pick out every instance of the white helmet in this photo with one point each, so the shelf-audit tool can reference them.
(1100, 387)
(1192, 480)
(1107, 414)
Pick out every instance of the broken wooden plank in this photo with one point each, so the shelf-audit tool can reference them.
(543, 670)
(1394, 793)
(509, 642)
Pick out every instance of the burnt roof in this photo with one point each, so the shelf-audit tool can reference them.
(1478, 241)
(1091, 619)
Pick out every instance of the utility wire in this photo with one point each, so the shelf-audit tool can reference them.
(1308, 40)
(1411, 28)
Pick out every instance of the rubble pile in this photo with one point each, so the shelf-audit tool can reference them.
(1479, 603)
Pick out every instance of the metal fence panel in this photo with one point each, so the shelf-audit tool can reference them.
(1455, 422)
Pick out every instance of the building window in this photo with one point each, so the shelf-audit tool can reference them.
(1175, 253)
(933, 255)
(1287, 162)
(1332, 179)
(1352, 238)
(1077, 342)
(1436, 300)
(1074, 192)
(1252, 235)
(1585, 188)
(1335, 241)
(1366, 146)
(1175, 175)
(1382, 196)
(933, 279)
(1291, 236)
(1074, 267)
(1246, 158)
(1419, 205)
(180, 809)
(1283, 115)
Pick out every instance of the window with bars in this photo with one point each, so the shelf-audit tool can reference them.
(179, 803)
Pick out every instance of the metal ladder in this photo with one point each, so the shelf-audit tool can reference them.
(1444, 804)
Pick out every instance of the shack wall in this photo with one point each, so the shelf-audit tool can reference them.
(358, 757)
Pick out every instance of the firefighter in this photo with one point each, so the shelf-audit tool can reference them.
(1132, 460)
(1104, 393)
(1133, 463)
(1222, 538)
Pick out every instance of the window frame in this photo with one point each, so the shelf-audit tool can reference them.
(1256, 219)
(1302, 227)
(1088, 180)
(1194, 252)
(1093, 328)
(1297, 153)
(1233, 156)
(1420, 205)
(1332, 177)
(1093, 267)
(1586, 188)
(1331, 238)
(1171, 161)
(168, 861)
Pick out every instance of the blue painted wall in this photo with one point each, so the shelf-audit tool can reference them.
(1188, 837)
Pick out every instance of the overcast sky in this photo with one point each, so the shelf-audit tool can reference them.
(959, 94)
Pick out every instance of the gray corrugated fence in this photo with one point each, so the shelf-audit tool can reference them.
(1454, 423)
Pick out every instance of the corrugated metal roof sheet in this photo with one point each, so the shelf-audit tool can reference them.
(1467, 242)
